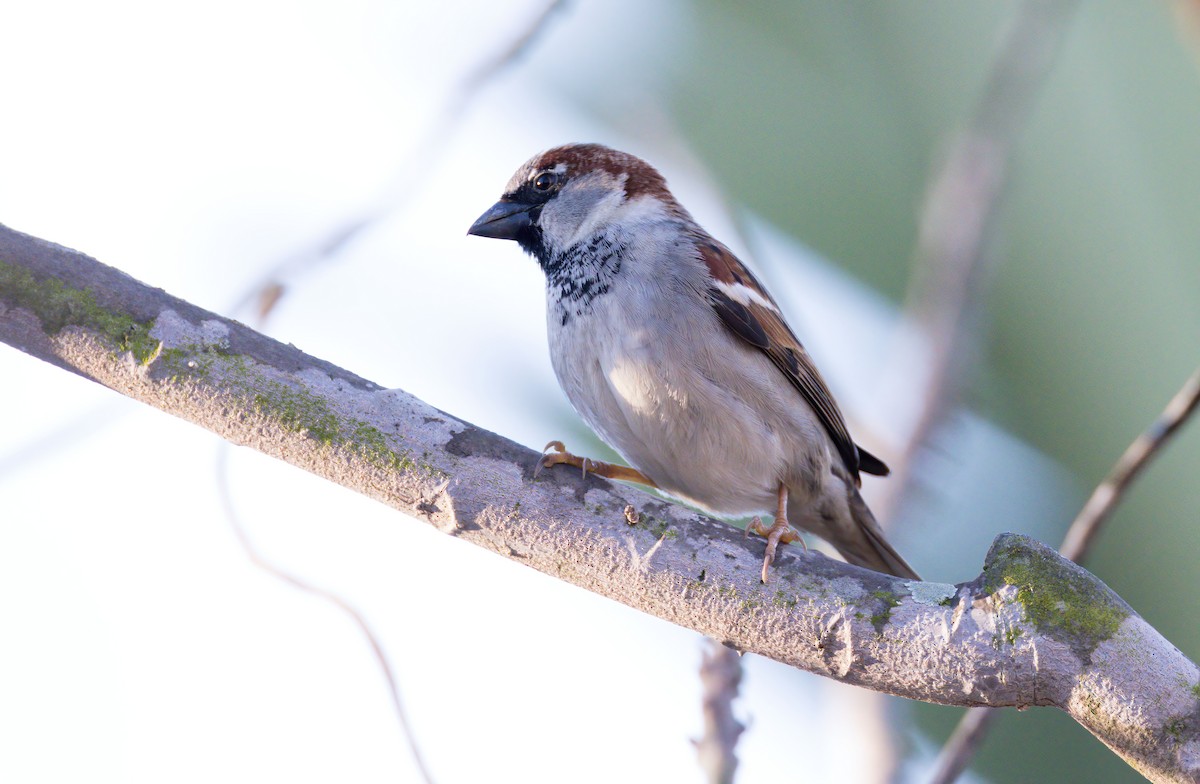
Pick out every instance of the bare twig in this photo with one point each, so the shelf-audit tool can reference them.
(271, 287)
(958, 216)
(65, 434)
(337, 601)
(956, 221)
(962, 745)
(488, 70)
(1187, 22)
(268, 297)
(972, 729)
(1108, 493)
(720, 675)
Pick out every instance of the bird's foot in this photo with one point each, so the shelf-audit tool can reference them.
(779, 533)
(556, 453)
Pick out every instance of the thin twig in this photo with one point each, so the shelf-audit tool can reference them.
(426, 154)
(261, 562)
(948, 282)
(50, 443)
(270, 289)
(968, 736)
(1187, 22)
(962, 745)
(1108, 493)
(956, 221)
(720, 675)
(488, 70)
(958, 218)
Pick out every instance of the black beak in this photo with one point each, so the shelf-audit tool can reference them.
(503, 220)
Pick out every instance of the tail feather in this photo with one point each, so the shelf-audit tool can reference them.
(872, 550)
(870, 464)
(847, 524)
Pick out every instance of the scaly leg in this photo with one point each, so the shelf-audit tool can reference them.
(589, 466)
(779, 532)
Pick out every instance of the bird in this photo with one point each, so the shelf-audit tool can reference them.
(677, 357)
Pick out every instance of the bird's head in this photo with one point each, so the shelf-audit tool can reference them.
(567, 194)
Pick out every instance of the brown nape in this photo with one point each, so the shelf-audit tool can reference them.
(642, 179)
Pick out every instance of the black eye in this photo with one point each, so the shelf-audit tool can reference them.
(545, 181)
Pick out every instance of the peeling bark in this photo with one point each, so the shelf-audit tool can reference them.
(1031, 630)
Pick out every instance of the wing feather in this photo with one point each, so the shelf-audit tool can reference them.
(750, 313)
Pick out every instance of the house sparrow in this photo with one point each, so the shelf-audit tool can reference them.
(674, 353)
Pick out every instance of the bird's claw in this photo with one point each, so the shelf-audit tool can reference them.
(545, 460)
(556, 452)
(779, 533)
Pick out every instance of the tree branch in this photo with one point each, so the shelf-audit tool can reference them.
(974, 726)
(1136, 457)
(958, 218)
(343, 605)
(1032, 629)
(266, 293)
(720, 674)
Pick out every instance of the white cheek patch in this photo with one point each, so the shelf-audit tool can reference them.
(591, 204)
(597, 215)
(744, 295)
(613, 209)
(643, 209)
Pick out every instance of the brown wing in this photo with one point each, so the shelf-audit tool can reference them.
(756, 319)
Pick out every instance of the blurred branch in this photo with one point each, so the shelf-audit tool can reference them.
(270, 289)
(489, 69)
(957, 219)
(66, 434)
(963, 744)
(1187, 21)
(972, 729)
(720, 675)
(1031, 629)
(1137, 456)
(959, 215)
(337, 601)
